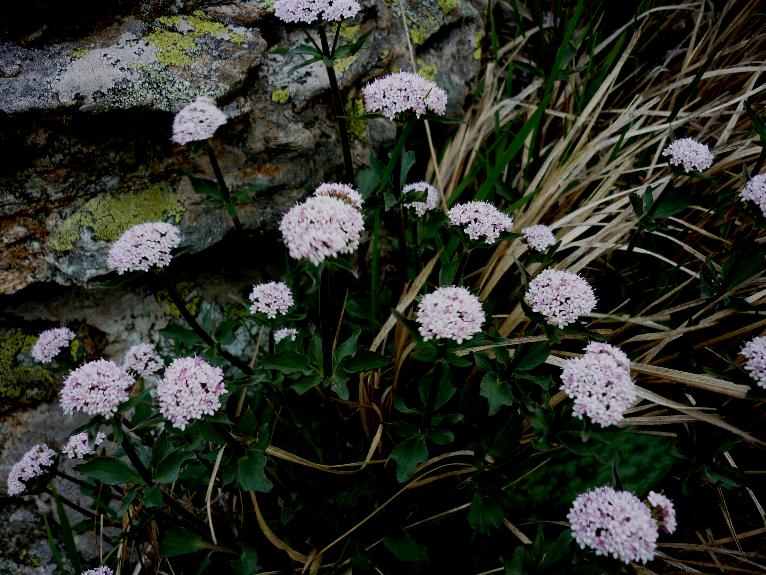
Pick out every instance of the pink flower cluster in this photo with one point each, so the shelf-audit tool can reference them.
(189, 389)
(450, 312)
(755, 354)
(539, 237)
(404, 92)
(285, 333)
(34, 463)
(321, 227)
(342, 192)
(144, 246)
(142, 360)
(78, 446)
(663, 511)
(432, 197)
(271, 299)
(755, 191)
(480, 219)
(614, 523)
(689, 153)
(103, 570)
(309, 11)
(50, 342)
(197, 121)
(560, 296)
(97, 388)
(600, 383)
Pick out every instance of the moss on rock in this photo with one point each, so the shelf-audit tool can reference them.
(21, 384)
(281, 95)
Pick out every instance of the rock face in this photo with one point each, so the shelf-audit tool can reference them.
(87, 104)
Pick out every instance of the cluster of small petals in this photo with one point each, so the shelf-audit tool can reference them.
(142, 360)
(342, 192)
(690, 154)
(560, 296)
(539, 237)
(663, 510)
(600, 384)
(480, 220)
(309, 11)
(97, 388)
(50, 342)
(321, 227)
(34, 463)
(755, 191)
(78, 446)
(103, 570)
(450, 312)
(614, 523)
(197, 121)
(755, 354)
(189, 389)
(271, 299)
(285, 333)
(432, 197)
(144, 246)
(404, 92)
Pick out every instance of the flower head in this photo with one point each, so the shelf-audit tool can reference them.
(144, 246)
(142, 360)
(103, 570)
(197, 121)
(309, 11)
(404, 92)
(78, 446)
(271, 299)
(285, 333)
(755, 191)
(450, 312)
(663, 510)
(600, 383)
(342, 192)
(560, 296)
(432, 197)
(34, 463)
(539, 237)
(480, 219)
(189, 389)
(755, 354)
(97, 388)
(690, 154)
(321, 227)
(614, 523)
(50, 342)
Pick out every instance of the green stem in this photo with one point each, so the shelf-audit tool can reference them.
(433, 390)
(326, 319)
(375, 271)
(337, 101)
(71, 504)
(222, 186)
(272, 343)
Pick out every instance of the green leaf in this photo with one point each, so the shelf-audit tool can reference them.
(169, 468)
(364, 360)
(498, 393)
(252, 473)
(304, 384)
(247, 564)
(407, 455)
(177, 541)
(348, 347)
(484, 514)
(287, 362)
(405, 548)
(557, 550)
(153, 496)
(207, 188)
(109, 470)
(65, 529)
(441, 436)
(534, 356)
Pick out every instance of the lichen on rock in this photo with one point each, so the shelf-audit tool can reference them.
(21, 384)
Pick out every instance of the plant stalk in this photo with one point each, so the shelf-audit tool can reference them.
(222, 185)
(433, 390)
(326, 320)
(71, 504)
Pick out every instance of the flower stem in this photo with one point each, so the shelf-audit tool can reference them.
(198, 329)
(433, 390)
(325, 320)
(222, 185)
(337, 102)
(272, 343)
(69, 503)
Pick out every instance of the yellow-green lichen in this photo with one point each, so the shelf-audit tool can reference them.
(357, 128)
(281, 95)
(343, 64)
(186, 291)
(266, 5)
(418, 35)
(349, 31)
(109, 216)
(385, 53)
(447, 6)
(78, 53)
(428, 71)
(21, 384)
(172, 48)
(477, 39)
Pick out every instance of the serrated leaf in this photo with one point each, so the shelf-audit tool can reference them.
(252, 473)
(304, 384)
(177, 541)
(247, 564)
(498, 393)
(169, 468)
(405, 548)
(287, 362)
(484, 514)
(109, 470)
(153, 496)
(534, 356)
(364, 360)
(407, 455)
